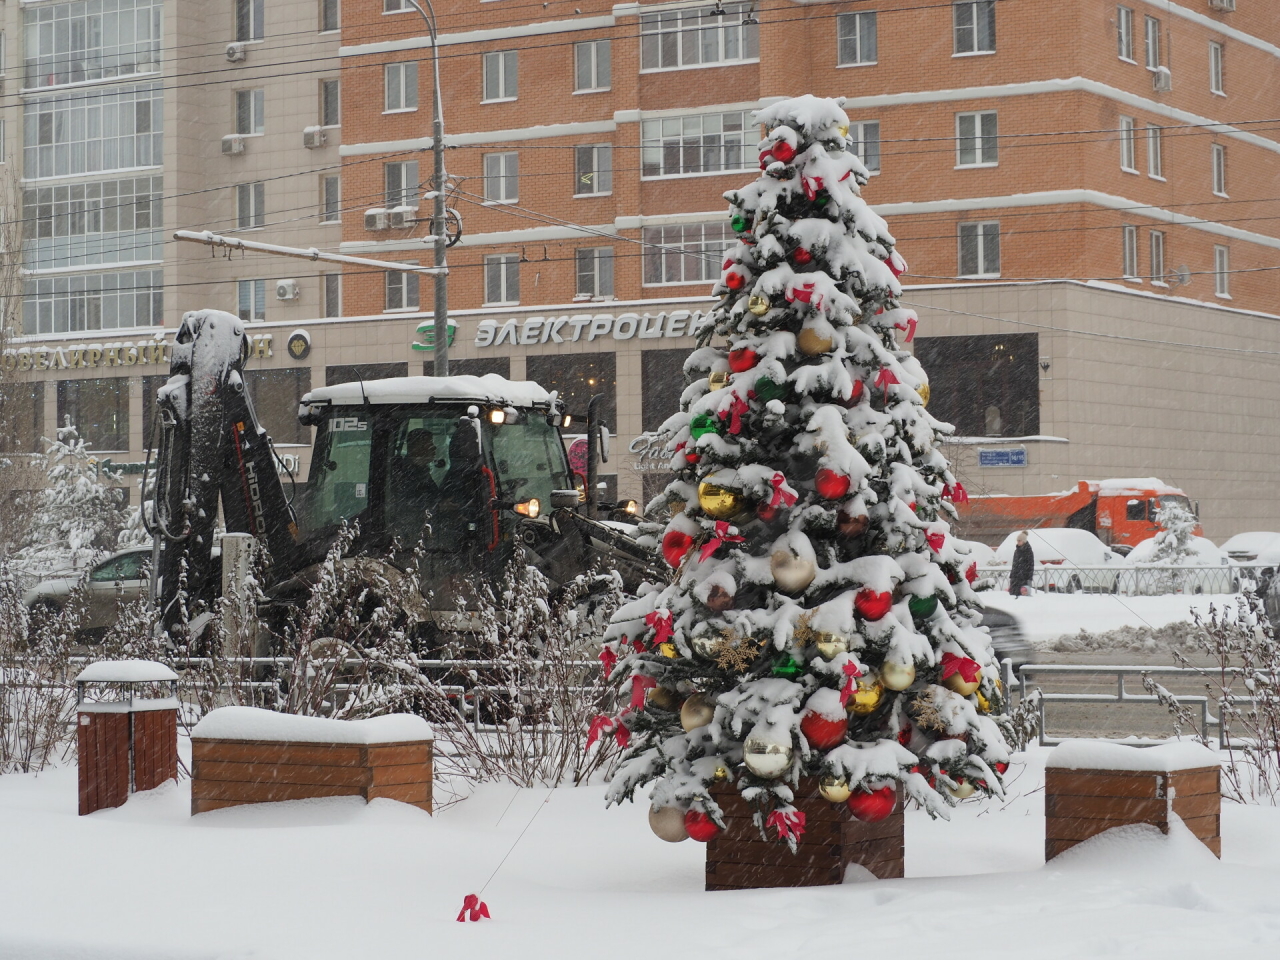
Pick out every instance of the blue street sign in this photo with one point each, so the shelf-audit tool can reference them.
(1011, 457)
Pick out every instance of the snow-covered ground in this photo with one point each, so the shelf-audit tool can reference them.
(1047, 616)
(338, 879)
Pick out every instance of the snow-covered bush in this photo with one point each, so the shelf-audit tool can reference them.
(1177, 530)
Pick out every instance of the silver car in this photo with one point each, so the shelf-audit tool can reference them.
(121, 578)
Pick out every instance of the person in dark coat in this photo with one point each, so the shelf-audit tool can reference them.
(1024, 566)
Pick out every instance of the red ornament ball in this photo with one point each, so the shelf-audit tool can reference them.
(871, 605)
(784, 151)
(700, 826)
(734, 280)
(675, 544)
(802, 257)
(767, 512)
(822, 733)
(871, 806)
(831, 485)
(1001, 768)
(744, 359)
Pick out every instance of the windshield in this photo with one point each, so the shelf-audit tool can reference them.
(338, 488)
(529, 458)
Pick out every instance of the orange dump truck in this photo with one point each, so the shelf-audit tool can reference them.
(1122, 513)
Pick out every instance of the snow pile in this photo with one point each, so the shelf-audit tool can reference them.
(252, 723)
(1050, 619)
(1111, 755)
(125, 671)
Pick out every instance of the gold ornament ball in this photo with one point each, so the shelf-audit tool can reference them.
(721, 775)
(956, 683)
(766, 758)
(897, 676)
(663, 699)
(668, 649)
(718, 380)
(984, 705)
(697, 711)
(704, 646)
(834, 789)
(793, 574)
(923, 390)
(867, 697)
(830, 645)
(811, 343)
(843, 130)
(719, 503)
(668, 824)
(963, 791)
(758, 305)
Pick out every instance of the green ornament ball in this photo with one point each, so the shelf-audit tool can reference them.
(923, 607)
(702, 424)
(739, 224)
(767, 390)
(787, 668)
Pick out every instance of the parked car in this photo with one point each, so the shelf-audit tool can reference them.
(121, 578)
(1067, 560)
(1207, 569)
(1247, 547)
(1007, 638)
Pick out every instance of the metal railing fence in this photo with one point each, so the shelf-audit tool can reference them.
(1132, 581)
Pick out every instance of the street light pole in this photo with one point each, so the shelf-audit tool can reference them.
(438, 219)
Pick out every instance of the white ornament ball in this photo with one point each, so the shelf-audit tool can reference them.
(668, 824)
(766, 758)
(792, 574)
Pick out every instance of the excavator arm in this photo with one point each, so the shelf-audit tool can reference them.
(211, 453)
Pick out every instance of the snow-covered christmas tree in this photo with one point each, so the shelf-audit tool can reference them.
(1173, 544)
(819, 620)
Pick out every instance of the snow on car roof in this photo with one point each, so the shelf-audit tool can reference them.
(491, 388)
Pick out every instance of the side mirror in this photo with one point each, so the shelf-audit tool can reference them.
(564, 499)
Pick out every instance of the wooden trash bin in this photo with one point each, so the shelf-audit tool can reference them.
(740, 859)
(246, 755)
(126, 736)
(1093, 786)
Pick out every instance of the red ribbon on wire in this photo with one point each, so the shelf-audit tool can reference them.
(602, 724)
(789, 823)
(804, 292)
(782, 497)
(884, 378)
(909, 327)
(852, 672)
(811, 187)
(957, 493)
(892, 262)
(608, 660)
(661, 623)
(638, 686)
(968, 669)
(473, 908)
(734, 414)
(722, 536)
(935, 541)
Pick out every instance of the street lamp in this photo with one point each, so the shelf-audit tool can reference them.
(438, 225)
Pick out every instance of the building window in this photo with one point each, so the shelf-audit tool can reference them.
(1155, 162)
(83, 224)
(578, 378)
(855, 38)
(500, 75)
(688, 38)
(402, 289)
(976, 139)
(1129, 268)
(864, 143)
(101, 301)
(251, 300)
(980, 249)
(591, 68)
(330, 103)
(395, 6)
(975, 26)
(329, 19)
(592, 169)
(401, 87)
(984, 385)
(401, 182)
(1128, 158)
(330, 199)
(595, 272)
(250, 201)
(1222, 271)
(250, 105)
(22, 417)
(91, 40)
(684, 252)
(275, 395)
(355, 372)
(1124, 33)
(501, 177)
(249, 15)
(502, 278)
(1157, 257)
(98, 409)
(93, 132)
(331, 295)
(1152, 33)
(702, 143)
(1215, 68)
(1218, 155)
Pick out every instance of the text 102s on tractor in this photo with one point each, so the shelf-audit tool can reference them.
(474, 467)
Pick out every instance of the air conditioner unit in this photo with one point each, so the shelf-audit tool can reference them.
(313, 137)
(235, 52)
(375, 219)
(286, 289)
(233, 145)
(1227, 5)
(1162, 80)
(402, 216)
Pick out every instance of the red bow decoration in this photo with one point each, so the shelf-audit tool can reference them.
(805, 294)
(722, 536)
(884, 378)
(971, 572)
(897, 266)
(968, 669)
(909, 327)
(852, 672)
(935, 541)
(602, 724)
(811, 187)
(783, 495)
(638, 686)
(957, 493)
(661, 624)
(734, 414)
(608, 660)
(473, 908)
(789, 823)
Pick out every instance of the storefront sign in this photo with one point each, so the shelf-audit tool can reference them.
(1011, 457)
(299, 345)
(84, 356)
(649, 451)
(588, 327)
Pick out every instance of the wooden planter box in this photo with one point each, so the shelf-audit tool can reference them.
(230, 771)
(738, 859)
(1083, 802)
